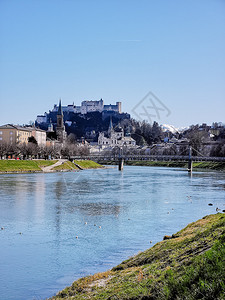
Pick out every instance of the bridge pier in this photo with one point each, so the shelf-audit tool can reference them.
(190, 160)
(121, 162)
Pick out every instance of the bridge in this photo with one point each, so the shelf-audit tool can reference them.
(117, 158)
(121, 158)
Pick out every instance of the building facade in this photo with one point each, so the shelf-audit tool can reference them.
(84, 108)
(115, 138)
(12, 134)
(40, 136)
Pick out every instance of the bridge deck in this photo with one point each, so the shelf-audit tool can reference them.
(148, 157)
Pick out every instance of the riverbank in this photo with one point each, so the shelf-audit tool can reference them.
(187, 265)
(33, 166)
(219, 166)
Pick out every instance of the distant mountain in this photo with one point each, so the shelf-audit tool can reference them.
(182, 129)
(171, 128)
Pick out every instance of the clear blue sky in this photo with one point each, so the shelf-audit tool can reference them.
(118, 50)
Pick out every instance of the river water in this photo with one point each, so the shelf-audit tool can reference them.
(61, 226)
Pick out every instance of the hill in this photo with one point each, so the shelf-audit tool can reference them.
(187, 265)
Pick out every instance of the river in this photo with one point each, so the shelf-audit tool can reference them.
(61, 226)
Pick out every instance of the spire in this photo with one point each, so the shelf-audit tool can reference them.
(60, 108)
(110, 124)
(110, 130)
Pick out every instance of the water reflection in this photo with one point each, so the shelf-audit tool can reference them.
(60, 189)
(132, 207)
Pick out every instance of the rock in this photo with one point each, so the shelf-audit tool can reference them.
(167, 237)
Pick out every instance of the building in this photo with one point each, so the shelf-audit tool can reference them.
(115, 137)
(60, 128)
(40, 136)
(12, 134)
(86, 107)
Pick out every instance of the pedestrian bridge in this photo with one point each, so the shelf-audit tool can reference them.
(116, 158)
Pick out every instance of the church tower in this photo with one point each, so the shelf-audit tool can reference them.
(110, 130)
(60, 128)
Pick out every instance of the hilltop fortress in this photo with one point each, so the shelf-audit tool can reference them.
(86, 107)
(85, 121)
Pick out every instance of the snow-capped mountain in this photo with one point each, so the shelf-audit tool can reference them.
(171, 128)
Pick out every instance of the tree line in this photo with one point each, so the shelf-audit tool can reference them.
(32, 150)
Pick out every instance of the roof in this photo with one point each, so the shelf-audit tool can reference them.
(38, 129)
(128, 138)
(17, 127)
(8, 126)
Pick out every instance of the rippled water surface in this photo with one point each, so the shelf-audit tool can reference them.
(114, 215)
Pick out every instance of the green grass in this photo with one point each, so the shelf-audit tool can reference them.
(36, 165)
(18, 166)
(220, 166)
(209, 165)
(87, 164)
(188, 265)
(24, 165)
(173, 164)
(68, 165)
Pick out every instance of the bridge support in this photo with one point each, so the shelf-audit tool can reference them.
(121, 162)
(190, 160)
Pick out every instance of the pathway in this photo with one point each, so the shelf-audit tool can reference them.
(50, 168)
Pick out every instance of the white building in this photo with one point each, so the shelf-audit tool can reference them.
(115, 138)
(86, 107)
(91, 106)
(40, 136)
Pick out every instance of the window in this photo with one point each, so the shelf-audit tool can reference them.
(11, 132)
(0, 132)
(0, 138)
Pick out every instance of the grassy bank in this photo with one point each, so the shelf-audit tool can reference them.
(87, 164)
(187, 265)
(37, 165)
(24, 165)
(220, 166)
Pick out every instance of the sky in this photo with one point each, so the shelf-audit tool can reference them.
(164, 60)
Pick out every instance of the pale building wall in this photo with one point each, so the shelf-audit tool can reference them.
(14, 135)
(40, 136)
(115, 139)
(23, 135)
(91, 106)
(8, 135)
